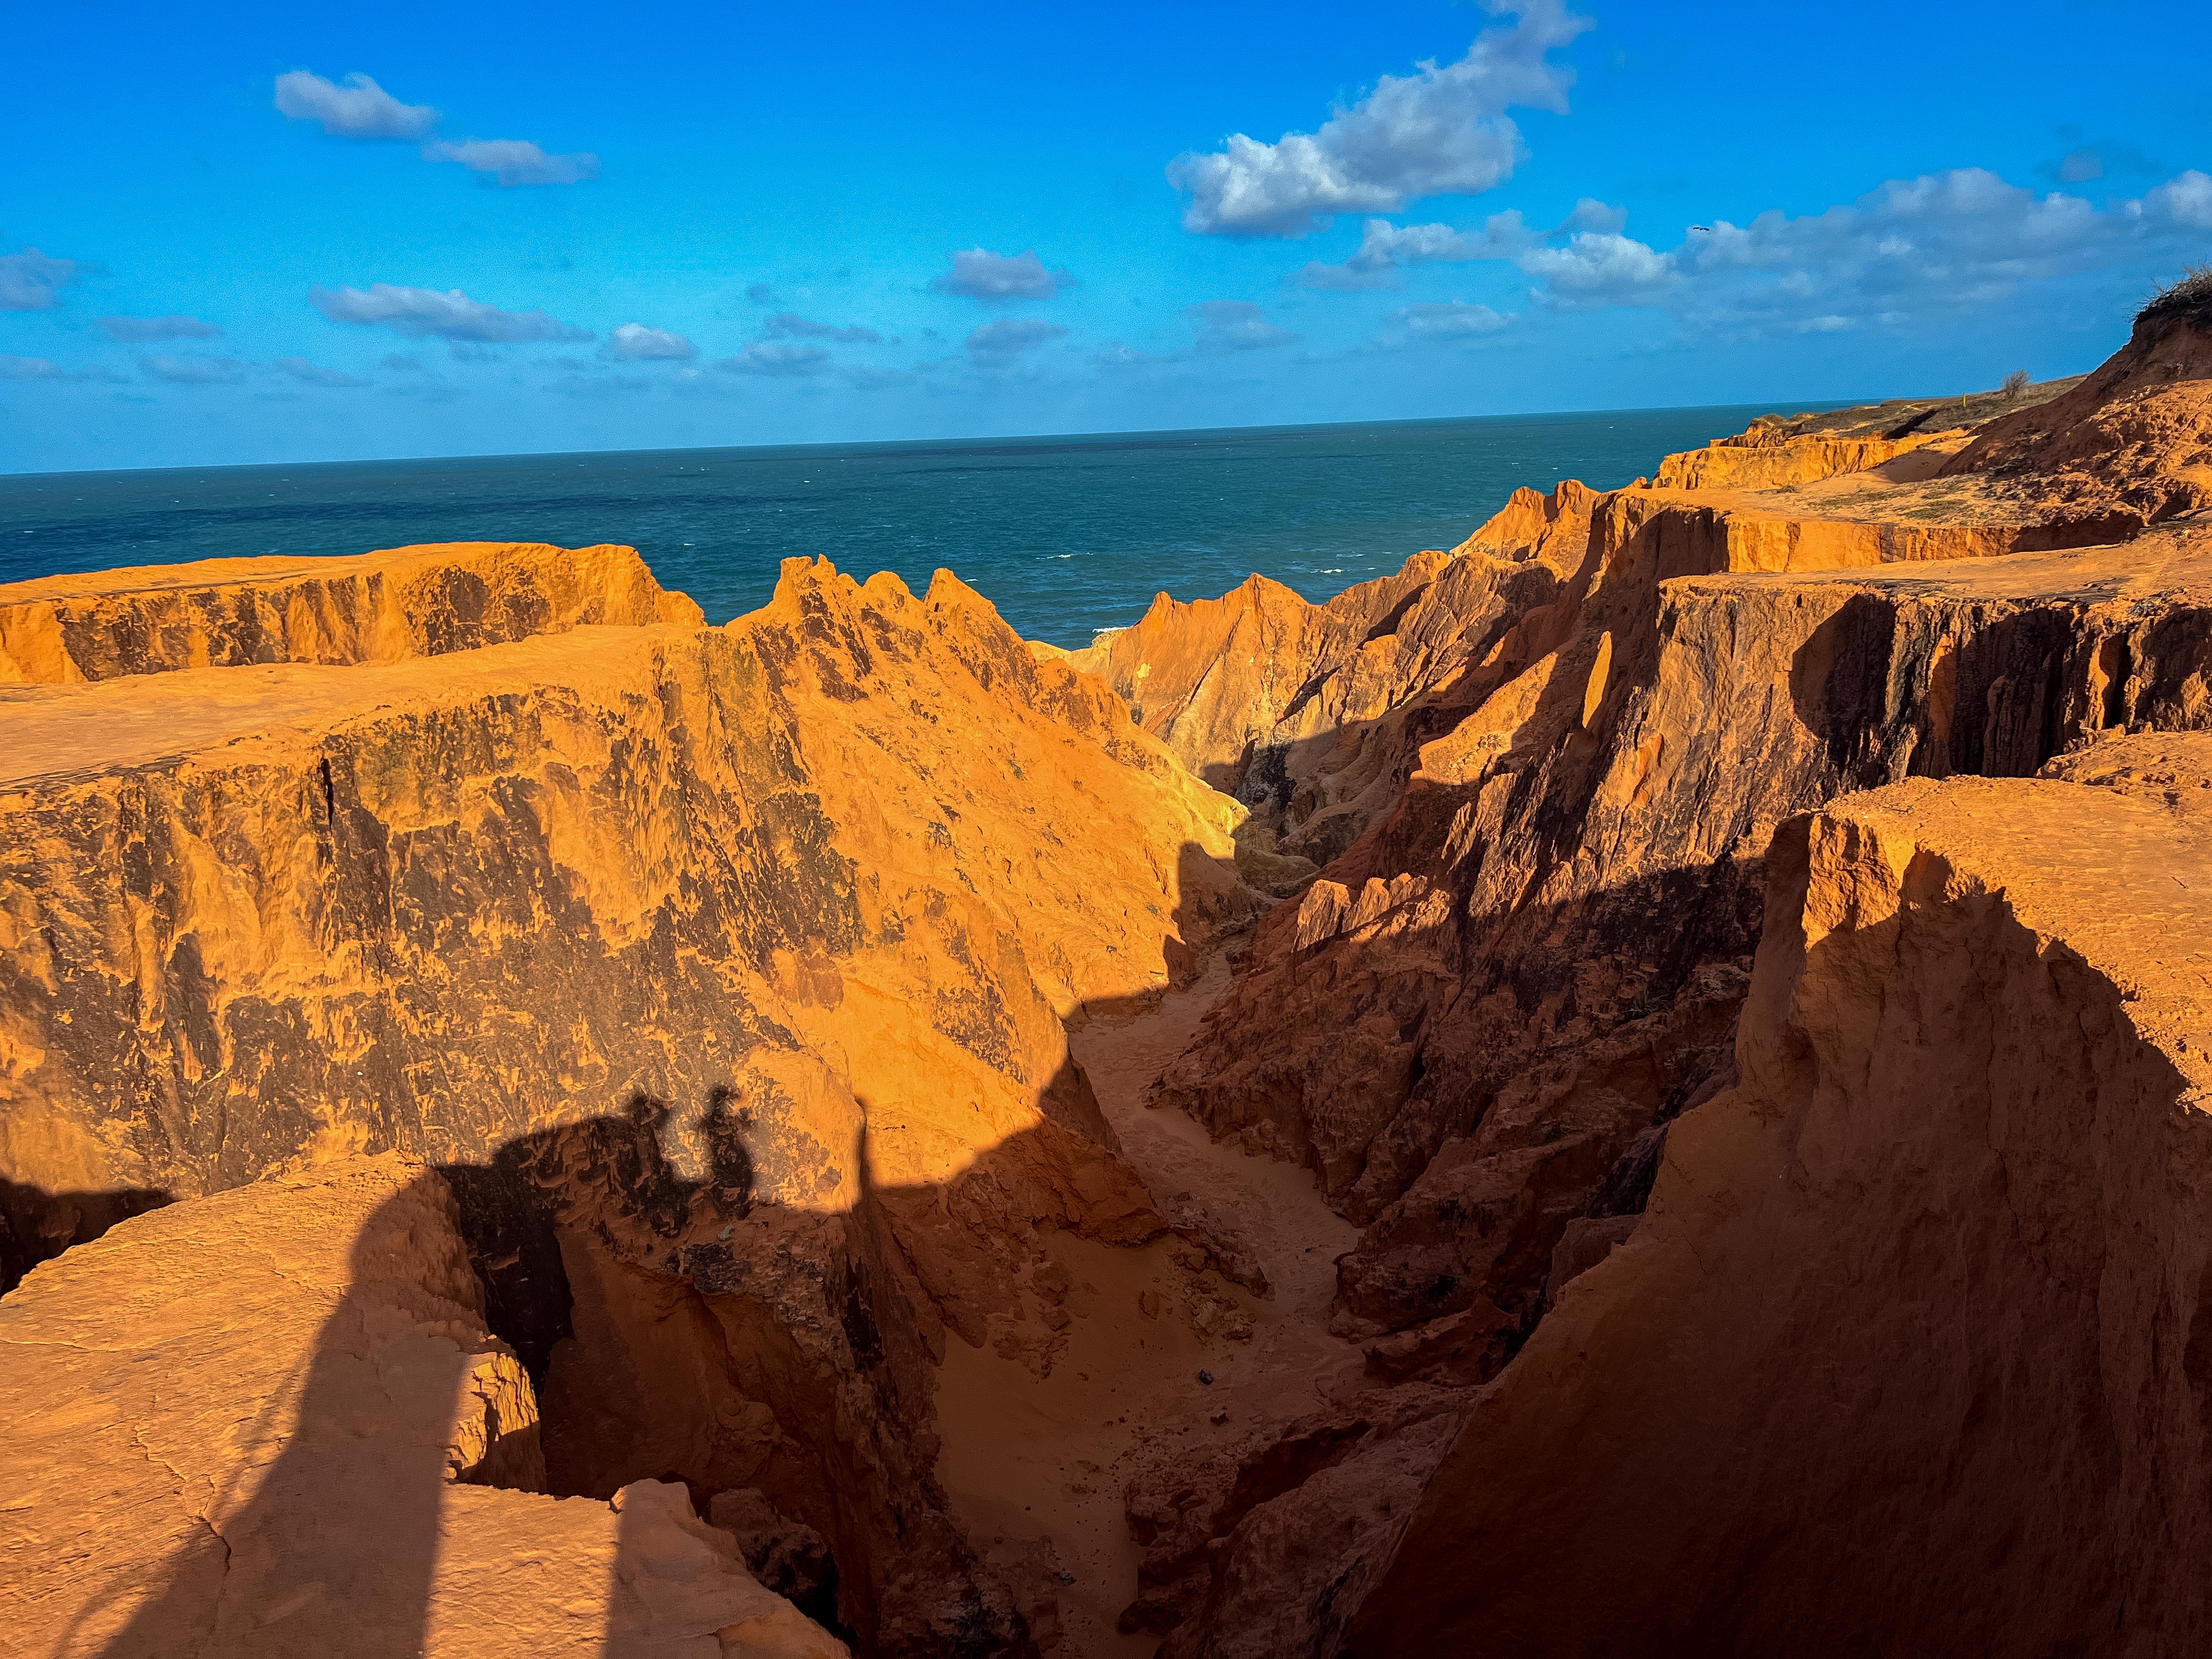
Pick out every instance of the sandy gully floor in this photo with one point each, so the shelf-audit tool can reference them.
(1037, 1468)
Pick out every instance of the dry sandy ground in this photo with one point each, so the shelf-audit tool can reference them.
(1037, 1468)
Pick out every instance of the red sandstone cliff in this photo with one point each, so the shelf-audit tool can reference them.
(721, 971)
(1909, 1352)
(642, 1054)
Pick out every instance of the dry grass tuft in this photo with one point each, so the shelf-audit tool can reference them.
(2189, 297)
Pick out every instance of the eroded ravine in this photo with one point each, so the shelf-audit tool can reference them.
(657, 1113)
(1037, 1468)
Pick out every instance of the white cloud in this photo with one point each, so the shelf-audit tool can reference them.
(1601, 267)
(421, 312)
(1452, 320)
(315, 374)
(191, 371)
(1234, 325)
(1438, 132)
(359, 109)
(979, 274)
(30, 280)
(1384, 247)
(1009, 338)
(1590, 214)
(513, 161)
(1910, 251)
(781, 363)
(2185, 200)
(790, 326)
(136, 330)
(632, 342)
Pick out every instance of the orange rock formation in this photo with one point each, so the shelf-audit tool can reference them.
(1698, 998)
(378, 607)
(1910, 1353)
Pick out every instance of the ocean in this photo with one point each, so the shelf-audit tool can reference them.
(1066, 535)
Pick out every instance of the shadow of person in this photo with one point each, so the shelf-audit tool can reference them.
(321, 1536)
(327, 1547)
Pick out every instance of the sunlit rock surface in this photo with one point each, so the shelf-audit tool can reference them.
(376, 607)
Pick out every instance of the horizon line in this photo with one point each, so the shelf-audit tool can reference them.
(1812, 406)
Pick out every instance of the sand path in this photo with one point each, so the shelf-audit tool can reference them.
(1037, 1468)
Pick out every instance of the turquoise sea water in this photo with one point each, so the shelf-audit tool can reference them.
(1066, 535)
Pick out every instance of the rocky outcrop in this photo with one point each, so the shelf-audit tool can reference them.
(721, 971)
(1268, 1550)
(377, 607)
(2133, 439)
(273, 1421)
(1583, 845)
(1912, 1331)
(1755, 461)
(1303, 711)
(257, 913)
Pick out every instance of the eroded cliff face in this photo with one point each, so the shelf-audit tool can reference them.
(1303, 711)
(1580, 855)
(376, 607)
(1912, 1333)
(1480, 1026)
(649, 1046)
(722, 971)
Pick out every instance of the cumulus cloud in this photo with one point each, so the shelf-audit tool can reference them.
(979, 274)
(359, 109)
(1441, 130)
(191, 371)
(782, 363)
(1910, 250)
(315, 374)
(2185, 200)
(513, 161)
(790, 326)
(419, 313)
(1384, 247)
(633, 342)
(1010, 337)
(1234, 325)
(1601, 267)
(30, 280)
(1452, 320)
(136, 330)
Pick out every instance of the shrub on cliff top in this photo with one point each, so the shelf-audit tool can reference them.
(2191, 297)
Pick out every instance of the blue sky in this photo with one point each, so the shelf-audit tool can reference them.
(558, 228)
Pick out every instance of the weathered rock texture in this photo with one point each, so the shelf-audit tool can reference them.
(1480, 1025)
(723, 971)
(721, 976)
(1579, 855)
(1910, 1353)
(1310, 713)
(377, 607)
(273, 1422)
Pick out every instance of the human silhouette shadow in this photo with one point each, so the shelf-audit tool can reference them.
(334, 1552)
(331, 1545)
